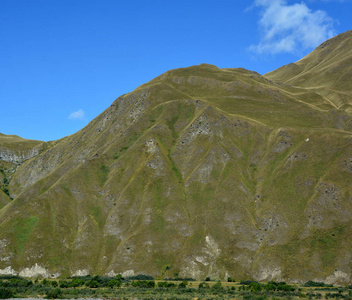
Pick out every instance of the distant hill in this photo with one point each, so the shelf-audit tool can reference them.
(200, 172)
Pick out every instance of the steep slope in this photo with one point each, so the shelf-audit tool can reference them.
(4, 199)
(13, 151)
(200, 172)
(327, 71)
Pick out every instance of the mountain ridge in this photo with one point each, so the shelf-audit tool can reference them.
(200, 172)
(319, 70)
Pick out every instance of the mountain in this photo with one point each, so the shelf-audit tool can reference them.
(200, 172)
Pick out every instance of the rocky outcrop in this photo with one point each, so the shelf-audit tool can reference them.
(17, 157)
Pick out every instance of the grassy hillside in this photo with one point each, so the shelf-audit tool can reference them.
(13, 151)
(4, 199)
(326, 71)
(200, 172)
(16, 143)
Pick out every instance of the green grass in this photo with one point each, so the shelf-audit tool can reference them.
(159, 199)
(23, 231)
(103, 174)
(97, 215)
(175, 169)
(159, 223)
(66, 189)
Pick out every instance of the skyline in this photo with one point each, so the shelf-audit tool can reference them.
(64, 62)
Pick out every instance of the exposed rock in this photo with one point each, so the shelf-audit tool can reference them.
(128, 273)
(268, 273)
(83, 272)
(8, 271)
(35, 271)
(338, 277)
(17, 156)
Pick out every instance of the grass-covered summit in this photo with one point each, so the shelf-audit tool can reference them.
(200, 172)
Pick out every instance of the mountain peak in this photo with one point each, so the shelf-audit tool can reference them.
(326, 70)
(337, 40)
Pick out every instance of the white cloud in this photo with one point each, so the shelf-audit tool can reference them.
(289, 28)
(77, 115)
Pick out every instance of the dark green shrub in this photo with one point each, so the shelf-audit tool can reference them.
(29, 283)
(140, 277)
(217, 286)
(92, 284)
(45, 282)
(119, 277)
(54, 293)
(183, 284)
(312, 283)
(270, 286)
(164, 284)
(76, 282)
(63, 284)
(5, 293)
(278, 286)
(6, 191)
(246, 282)
(203, 285)
(286, 288)
(114, 283)
(255, 287)
(143, 283)
(179, 279)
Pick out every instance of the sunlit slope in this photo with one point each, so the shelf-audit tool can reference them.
(237, 93)
(327, 71)
(3, 199)
(200, 172)
(16, 142)
(13, 151)
(245, 93)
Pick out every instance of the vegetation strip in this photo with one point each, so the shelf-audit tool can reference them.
(145, 287)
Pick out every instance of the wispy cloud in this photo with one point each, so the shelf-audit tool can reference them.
(289, 28)
(77, 115)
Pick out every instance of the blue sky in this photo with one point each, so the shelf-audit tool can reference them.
(63, 62)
